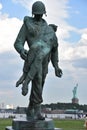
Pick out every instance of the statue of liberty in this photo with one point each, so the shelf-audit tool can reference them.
(75, 91)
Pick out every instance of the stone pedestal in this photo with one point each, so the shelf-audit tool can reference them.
(75, 100)
(23, 124)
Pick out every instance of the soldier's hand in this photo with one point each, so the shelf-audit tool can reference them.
(24, 54)
(58, 72)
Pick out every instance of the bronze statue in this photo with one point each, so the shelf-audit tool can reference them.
(43, 47)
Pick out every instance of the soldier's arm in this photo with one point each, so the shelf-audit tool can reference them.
(55, 60)
(20, 40)
(54, 55)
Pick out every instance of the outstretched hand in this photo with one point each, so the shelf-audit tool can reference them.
(58, 72)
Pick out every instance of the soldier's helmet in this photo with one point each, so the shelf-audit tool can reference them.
(38, 8)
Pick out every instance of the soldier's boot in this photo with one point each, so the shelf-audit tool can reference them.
(30, 113)
(37, 113)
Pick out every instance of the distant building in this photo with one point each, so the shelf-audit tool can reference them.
(9, 106)
(71, 111)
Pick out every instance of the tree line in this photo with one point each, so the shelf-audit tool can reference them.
(64, 106)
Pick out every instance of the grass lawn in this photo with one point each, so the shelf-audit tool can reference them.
(65, 124)
(4, 123)
(70, 124)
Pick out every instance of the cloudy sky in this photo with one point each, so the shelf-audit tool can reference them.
(71, 18)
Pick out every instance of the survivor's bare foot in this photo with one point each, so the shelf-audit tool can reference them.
(24, 89)
(18, 83)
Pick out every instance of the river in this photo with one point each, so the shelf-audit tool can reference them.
(59, 116)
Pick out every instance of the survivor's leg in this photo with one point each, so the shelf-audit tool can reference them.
(30, 76)
(25, 71)
(25, 86)
(34, 68)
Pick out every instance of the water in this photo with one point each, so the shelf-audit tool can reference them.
(59, 116)
(62, 116)
(11, 115)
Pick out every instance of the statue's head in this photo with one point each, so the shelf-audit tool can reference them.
(38, 8)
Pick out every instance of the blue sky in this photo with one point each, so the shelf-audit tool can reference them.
(70, 16)
(77, 13)
(13, 9)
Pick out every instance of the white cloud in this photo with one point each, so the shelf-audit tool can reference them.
(0, 6)
(73, 51)
(84, 36)
(9, 28)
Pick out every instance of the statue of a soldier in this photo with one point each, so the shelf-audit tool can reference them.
(43, 47)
